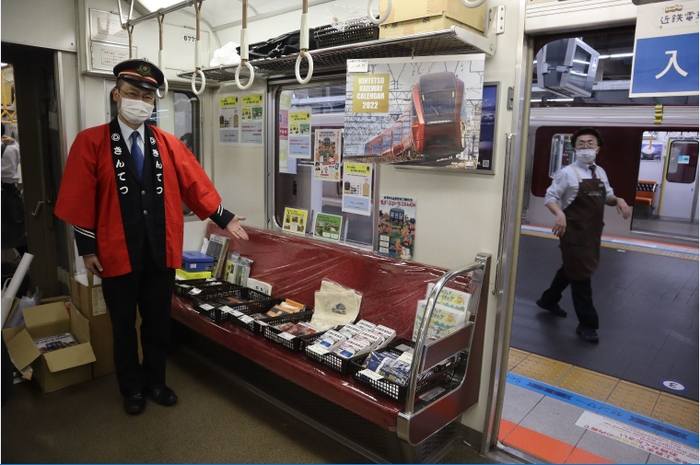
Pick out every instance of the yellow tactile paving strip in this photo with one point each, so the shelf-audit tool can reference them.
(588, 383)
(631, 248)
(652, 403)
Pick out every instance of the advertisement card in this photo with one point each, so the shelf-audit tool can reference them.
(396, 227)
(252, 119)
(357, 188)
(299, 133)
(286, 164)
(229, 120)
(295, 220)
(327, 155)
(328, 226)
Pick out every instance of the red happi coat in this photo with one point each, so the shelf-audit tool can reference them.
(89, 197)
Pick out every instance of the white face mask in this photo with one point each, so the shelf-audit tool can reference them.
(586, 155)
(135, 111)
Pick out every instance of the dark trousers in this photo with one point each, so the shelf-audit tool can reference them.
(582, 294)
(151, 289)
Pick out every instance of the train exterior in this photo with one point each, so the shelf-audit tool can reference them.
(430, 125)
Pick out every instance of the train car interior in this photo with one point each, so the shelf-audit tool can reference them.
(371, 122)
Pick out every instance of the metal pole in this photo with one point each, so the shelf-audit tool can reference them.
(163, 11)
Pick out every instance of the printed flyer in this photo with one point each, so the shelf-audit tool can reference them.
(357, 188)
(299, 133)
(396, 227)
(327, 155)
(328, 226)
(286, 164)
(229, 120)
(252, 119)
(295, 220)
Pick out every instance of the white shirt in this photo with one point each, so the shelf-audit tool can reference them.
(10, 163)
(564, 188)
(126, 134)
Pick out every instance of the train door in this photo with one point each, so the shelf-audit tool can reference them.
(39, 135)
(679, 194)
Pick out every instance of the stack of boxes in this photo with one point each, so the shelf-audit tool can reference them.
(419, 16)
(195, 265)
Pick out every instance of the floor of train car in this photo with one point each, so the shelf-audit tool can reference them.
(648, 309)
(215, 420)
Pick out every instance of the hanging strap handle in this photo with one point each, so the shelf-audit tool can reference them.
(304, 46)
(244, 51)
(197, 69)
(382, 17)
(160, 57)
(125, 24)
(473, 4)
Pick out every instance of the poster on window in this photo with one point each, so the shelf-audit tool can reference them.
(327, 155)
(651, 151)
(252, 119)
(421, 111)
(229, 120)
(286, 164)
(300, 133)
(396, 233)
(295, 220)
(357, 188)
(327, 226)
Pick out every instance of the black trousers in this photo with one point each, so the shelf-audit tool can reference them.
(581, 292)
(151, 289)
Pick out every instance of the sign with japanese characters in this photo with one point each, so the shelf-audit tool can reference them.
(666, 50)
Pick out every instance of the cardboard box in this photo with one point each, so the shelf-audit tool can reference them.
(436, 23)
(90, 302)
(417, 11)
(59, 368)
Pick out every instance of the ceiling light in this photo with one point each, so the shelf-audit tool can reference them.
(153, 5)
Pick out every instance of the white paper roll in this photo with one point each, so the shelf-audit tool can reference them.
(8, 294)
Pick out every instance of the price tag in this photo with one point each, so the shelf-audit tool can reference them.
(227, 309)
(262, 323)
(358, 66)
(246, 319)
(207, 307)
(194, 291)
(237, 314)
(406, 357)
(286, 336)
(371, 374)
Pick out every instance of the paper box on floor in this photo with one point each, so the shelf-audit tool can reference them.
(430, 15)
(61, 367)
(91, 304)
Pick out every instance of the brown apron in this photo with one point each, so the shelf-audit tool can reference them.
(580, 244)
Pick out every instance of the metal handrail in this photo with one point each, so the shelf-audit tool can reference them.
(149, 16)
(418, 351)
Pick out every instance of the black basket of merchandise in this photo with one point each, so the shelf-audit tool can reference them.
(290, 341)
(207, 290)
(335, 362)
(355, 31)
(214, 310)
(254, 322)
(184, 286)
(436, 376)
(237, 302)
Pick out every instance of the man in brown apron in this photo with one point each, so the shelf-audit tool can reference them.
(577, 198)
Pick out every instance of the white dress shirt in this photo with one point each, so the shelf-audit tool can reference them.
(564, 188)
(126, 134)
(10, 163)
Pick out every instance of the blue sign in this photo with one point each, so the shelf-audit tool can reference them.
(666, 66)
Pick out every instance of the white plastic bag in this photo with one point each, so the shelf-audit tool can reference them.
(226, 55)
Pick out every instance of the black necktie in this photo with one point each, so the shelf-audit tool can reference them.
(136, 154)
(593, 176)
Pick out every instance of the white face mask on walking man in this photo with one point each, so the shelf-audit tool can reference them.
(586, 155)
(135, 111)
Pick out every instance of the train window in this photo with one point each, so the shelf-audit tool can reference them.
(561, 153)
(301, 189)
(682, 161)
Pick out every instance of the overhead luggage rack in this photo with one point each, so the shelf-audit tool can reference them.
(452, 41)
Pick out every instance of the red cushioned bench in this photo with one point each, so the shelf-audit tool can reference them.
(295, 266)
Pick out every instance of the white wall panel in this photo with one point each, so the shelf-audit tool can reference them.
(41, 23)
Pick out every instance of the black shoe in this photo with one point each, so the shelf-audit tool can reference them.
(162, 395)
(133, 405)
(587, 334)
(555, 309)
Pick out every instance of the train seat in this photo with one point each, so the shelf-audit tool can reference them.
(644, 196)
(295, 266)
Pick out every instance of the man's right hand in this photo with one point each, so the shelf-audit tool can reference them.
(559, 225)
(93, 265)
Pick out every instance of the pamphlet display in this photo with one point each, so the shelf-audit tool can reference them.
(327, 226)
(295, 220)
(396, 227)
(217, 248)
(252, 118)
(357, 188)
(229, 120)
(327, 153)
(300, 133)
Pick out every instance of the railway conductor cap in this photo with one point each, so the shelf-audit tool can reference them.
(140, 73)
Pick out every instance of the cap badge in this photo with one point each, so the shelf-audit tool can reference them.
(144, 70)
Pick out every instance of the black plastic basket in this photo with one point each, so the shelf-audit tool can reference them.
(211, 309)
(295, 343)
(206, 290)
(436, 376)
(184, 286)
(256, 325)
(360, 31)
(335, 362)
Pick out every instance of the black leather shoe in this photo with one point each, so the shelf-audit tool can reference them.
(133, 405)
(555, 309)
(162, 395)
(587, 334)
